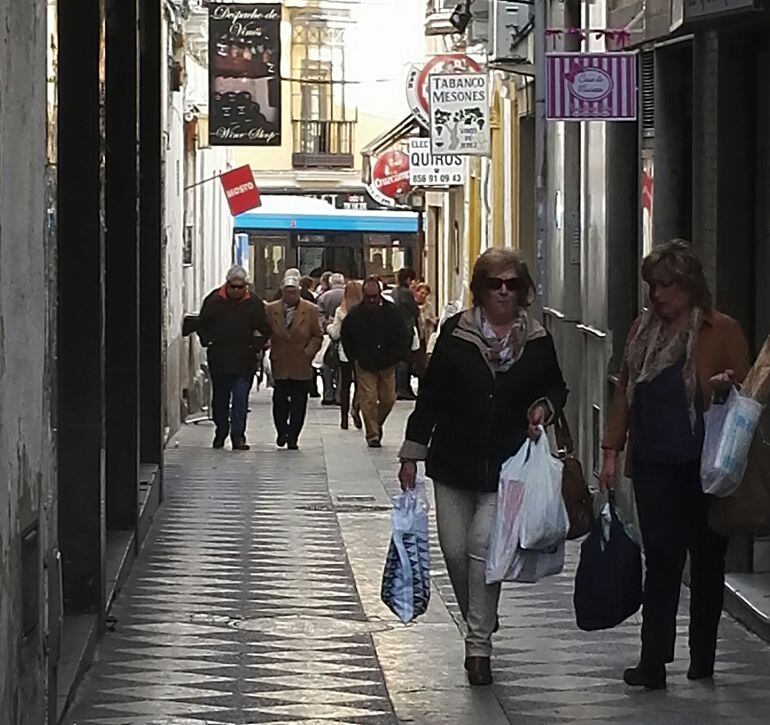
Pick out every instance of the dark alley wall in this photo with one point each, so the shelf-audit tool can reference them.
(27, 483)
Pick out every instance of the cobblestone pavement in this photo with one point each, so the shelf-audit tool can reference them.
(256, 600)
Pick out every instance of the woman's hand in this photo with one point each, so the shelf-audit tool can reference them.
(723, 381)
(407, 475)
(608, 476)
(537, 416)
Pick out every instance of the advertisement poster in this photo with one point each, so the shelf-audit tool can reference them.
(459, 114)
(428, 170)
(244, 74)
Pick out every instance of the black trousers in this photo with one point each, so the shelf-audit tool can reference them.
(673, 515)
(347, 378)
(290, 407)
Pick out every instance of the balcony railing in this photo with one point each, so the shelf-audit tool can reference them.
(323, 144)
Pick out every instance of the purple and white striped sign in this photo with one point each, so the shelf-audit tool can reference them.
(591, 87)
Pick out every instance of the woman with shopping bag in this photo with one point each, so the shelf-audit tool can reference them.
(680, 351)
(493, 379)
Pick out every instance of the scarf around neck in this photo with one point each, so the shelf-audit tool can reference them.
(651, 351)
(501, 354)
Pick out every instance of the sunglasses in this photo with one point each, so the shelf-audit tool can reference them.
(514, 284)
(237, 286)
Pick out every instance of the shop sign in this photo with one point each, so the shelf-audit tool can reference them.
(417, 81)
(459, 114)
(591, 87)
(244, 74)
(703, 9)
(241, 191)
(390, 177)
(427, 169)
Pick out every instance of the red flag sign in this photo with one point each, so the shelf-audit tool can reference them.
(241, 191)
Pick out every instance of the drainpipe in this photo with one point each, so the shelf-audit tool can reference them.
(541, 154)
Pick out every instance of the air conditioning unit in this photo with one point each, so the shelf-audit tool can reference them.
(510, 21)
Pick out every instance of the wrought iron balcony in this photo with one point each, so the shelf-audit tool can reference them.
(323, 144)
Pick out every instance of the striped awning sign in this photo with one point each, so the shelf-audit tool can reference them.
(591, 86)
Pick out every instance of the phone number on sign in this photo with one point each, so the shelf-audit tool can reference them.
(422, 179)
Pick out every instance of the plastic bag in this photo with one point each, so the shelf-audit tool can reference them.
(529, 567)
(406, 579)
(544, 521)
(730, 430)
(608, 583)
(504, 539)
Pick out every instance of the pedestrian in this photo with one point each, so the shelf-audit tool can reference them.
(375, 338)
(426, 326)
(680, 351)
(324, 284)
(403, 298)
(353, 296)
(233, 328)
(295, 340)
(328, 303)
(493, 380)
(306, 285)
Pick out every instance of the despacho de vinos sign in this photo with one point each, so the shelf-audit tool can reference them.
(244, 74)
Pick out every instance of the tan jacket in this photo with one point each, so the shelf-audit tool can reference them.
(721, 346)
(292, 351)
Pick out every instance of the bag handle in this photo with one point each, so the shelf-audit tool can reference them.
(564, 442)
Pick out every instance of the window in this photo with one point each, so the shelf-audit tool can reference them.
(323, 122)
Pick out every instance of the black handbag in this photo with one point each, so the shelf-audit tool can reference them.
(608, 584)
(577, 497)
(332, 355)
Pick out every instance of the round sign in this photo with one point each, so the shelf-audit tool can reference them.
(390, 175)
(417, 80)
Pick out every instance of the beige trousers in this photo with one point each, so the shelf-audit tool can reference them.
(465, 519)
(376, 396)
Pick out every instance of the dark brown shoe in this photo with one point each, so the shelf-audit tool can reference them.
(479, 671)
(357, 422)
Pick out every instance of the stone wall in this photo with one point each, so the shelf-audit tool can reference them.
(27, 484)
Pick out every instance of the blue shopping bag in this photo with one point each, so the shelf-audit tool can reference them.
(406, 579)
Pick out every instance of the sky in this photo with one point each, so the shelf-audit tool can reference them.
(388, 36)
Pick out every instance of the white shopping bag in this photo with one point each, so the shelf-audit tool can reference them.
(529, 567)
(504, 539)
(406, 578)
(544, 521)
(730, 430)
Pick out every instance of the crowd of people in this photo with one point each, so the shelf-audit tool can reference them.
(680, 353)
(364, 348)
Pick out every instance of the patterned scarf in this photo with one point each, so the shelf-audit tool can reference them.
(501, 354)
(651, 351)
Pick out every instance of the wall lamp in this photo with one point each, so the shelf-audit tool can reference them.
(461, 16)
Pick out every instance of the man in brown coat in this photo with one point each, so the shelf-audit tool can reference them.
(296, 338)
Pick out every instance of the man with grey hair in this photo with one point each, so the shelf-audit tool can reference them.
(233, 328)
(328, 303)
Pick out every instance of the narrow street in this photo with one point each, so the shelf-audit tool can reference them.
(256, 600)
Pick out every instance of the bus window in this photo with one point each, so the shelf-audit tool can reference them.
(385, 261)
(268, 265)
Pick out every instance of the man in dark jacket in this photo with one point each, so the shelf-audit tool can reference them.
(231, 323)
(403, 298)
(375, 338)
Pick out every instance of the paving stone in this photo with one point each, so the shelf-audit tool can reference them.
(256, 600)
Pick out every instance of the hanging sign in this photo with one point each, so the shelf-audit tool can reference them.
(244, 74)
(417, 81)
(241, 191)
(427, 169)
(459, 114)
(591, 87)
(390, 177)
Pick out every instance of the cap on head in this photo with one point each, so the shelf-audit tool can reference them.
(290, 279)
(237, 273)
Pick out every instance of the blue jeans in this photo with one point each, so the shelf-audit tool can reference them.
(229, 419)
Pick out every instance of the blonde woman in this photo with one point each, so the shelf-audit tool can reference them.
(353, 296)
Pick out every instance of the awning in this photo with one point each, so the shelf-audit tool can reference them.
(410, 126)
(304, 214)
